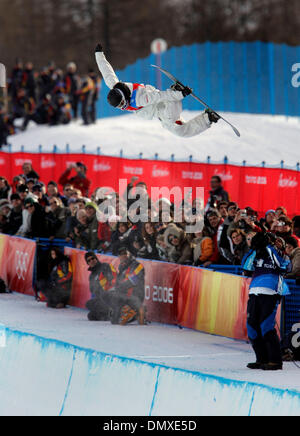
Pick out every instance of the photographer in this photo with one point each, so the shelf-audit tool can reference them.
(217, 193)
(266, 288)
(101, 280)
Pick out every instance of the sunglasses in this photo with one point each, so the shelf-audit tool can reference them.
(30, 205)
(90, 259)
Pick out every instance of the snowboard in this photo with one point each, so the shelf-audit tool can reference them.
(175, 80)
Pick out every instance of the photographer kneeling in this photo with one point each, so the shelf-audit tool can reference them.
(266, 288)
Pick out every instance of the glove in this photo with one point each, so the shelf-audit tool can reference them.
(212, 116)
(98, 48)
(184, 89)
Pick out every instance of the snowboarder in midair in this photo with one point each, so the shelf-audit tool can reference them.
(149, 102)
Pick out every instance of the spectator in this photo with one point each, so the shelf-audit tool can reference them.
(5, 189)
(119, 237)
(79, 181)
(58, 288)
(95, 95)
(71, 220)
(217, 193)
(15, 217)
(223, 208)
(202, 248)
(56, 219)
(71, 81)
(240, 246)
(67, 193)
(127, 300)
(29, 173)
(92, 222)
(225, 242)
(149, 236)
(296, 225)
(81, 230)
(270, 217)
(162, 248)
(85, 93)
(101, 280)
(293, 251)
(214, 228)
(43, 113)
(28, 81)
(61, 113)
(23, 191)
(177, 239)
(23, 105)
(280, 210)
(37, 219)
(284, 228)
(17, 181)
(6, 126)
(37, 190)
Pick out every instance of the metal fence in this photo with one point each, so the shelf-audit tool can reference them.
(246, 77)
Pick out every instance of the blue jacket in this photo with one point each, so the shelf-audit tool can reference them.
(268, 270)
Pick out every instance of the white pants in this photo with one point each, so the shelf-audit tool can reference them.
(189, 128)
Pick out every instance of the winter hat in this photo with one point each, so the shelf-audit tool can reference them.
(269, 211)
(283, 209)
(29, 200)
(115, 97)
(91, 204)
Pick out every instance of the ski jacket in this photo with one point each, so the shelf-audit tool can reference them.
(102, 278)
(146, 101)
(268, 269)
(62, 274)
(131, 279)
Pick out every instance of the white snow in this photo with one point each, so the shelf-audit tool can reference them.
(263, 138)
(161, 344)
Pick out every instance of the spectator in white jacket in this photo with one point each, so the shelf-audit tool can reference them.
(149, 102)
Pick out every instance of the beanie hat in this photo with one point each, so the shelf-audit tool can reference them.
(269, 211)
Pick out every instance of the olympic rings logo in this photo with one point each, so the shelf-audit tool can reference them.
(22, 261)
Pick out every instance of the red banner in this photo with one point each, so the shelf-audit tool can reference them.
(18, 259)
(261, 188)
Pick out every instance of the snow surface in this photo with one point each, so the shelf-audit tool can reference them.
(263, 138)
(156, 343)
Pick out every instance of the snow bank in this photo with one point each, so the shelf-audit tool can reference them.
(41, 376)
(263, 138)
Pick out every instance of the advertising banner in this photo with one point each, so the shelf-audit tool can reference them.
(259, 187)
(19, 261)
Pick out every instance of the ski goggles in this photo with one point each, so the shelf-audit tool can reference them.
(123, 103)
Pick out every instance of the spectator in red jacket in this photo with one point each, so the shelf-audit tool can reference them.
(79, 181)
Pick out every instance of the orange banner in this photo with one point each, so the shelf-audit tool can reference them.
(213, 302)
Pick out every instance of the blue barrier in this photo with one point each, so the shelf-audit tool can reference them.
(229, 76)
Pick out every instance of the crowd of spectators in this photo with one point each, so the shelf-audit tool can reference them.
(51, 96)
(68, 211)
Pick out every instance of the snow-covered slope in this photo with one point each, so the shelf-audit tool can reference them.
(263, 138)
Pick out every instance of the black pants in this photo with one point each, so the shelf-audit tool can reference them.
(98, 308)
(118, 300)
(261, 318)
